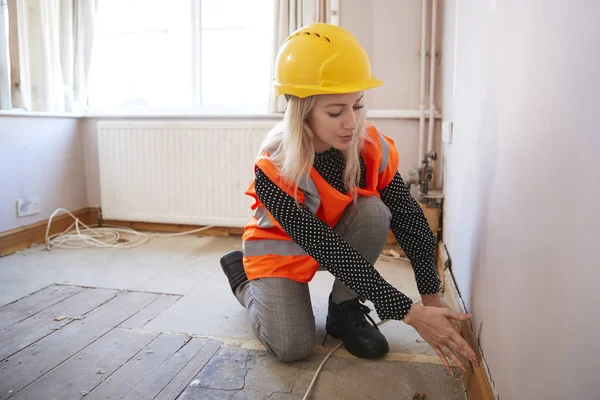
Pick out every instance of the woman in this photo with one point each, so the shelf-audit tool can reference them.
(326, 191)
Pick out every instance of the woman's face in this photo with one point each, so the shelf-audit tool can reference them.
(334, 120)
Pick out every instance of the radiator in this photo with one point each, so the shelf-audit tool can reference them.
(192, 173)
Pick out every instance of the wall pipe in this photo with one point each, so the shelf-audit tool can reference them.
(432, 77)
(422, 87)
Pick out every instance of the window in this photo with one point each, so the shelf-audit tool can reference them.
(182, 54)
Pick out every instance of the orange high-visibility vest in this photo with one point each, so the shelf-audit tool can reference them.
(270, 252)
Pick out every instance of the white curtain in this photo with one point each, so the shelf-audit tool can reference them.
(54, 39)
(289, 16)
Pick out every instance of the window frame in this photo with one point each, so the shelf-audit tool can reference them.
(5, 63)
(196, 107)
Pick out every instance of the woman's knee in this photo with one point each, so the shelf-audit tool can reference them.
(294, 350)
(365, 226)
(372, 214)
(288, 345)
(282, 318)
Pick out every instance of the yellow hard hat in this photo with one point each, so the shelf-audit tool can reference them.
(322, 59)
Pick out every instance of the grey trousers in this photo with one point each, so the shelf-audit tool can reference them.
(280, 309)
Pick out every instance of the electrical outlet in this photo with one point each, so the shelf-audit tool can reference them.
(28, 206)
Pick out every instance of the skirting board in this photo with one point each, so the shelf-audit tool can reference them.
(34, 234)
(166, 228)
(30, 235)
(475, 379)
(26, 236)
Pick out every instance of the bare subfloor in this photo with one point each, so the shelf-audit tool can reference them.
(160, 322)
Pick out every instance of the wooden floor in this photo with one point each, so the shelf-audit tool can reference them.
(160, 322)
(68, 342)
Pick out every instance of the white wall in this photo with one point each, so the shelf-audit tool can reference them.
(40, 157)
(521, 86)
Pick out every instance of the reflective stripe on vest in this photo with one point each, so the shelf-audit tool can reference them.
(385, 152)
(262, 216)
(312, 199)
(264, 247)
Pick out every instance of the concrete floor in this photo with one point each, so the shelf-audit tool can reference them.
(189, 266)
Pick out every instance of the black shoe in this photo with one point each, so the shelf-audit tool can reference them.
(233, 267)
(348, 321)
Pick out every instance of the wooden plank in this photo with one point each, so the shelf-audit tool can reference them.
(150, 312)
(80, 374)
(26, 236)
(433, 217)
(441, 261)
(32, 362)
(172, 228)
(156, 381)
(93, 215)
(30, 330)
(163, 227)
(185, 376)
(137, 368)
(236, 231)
(432, 214)
(28, 306)
(475, 379)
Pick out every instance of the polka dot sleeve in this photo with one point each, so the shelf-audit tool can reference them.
(330, 250)
(411, 229)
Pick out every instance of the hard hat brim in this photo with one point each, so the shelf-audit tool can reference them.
(312, 90)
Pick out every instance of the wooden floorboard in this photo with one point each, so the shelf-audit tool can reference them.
(187, 373)
(42, 324)
(31, 363)
(77, 376)
(131, 373)
(156, 381)
(98, 351)
(28, 306)
(150, 312)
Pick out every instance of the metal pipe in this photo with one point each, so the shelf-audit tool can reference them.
(422, 87)
(432, 77)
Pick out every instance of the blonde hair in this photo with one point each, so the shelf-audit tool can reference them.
(289, 146)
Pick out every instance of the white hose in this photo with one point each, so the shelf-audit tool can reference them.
(78, 235)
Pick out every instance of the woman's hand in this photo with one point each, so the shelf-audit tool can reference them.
(435, 300)
(435, 326)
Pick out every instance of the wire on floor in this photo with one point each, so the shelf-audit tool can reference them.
(79, 235)
(314, 379)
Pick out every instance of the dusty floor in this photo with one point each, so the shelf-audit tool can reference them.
(159, 321)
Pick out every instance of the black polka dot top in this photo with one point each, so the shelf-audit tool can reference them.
(408, 224)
